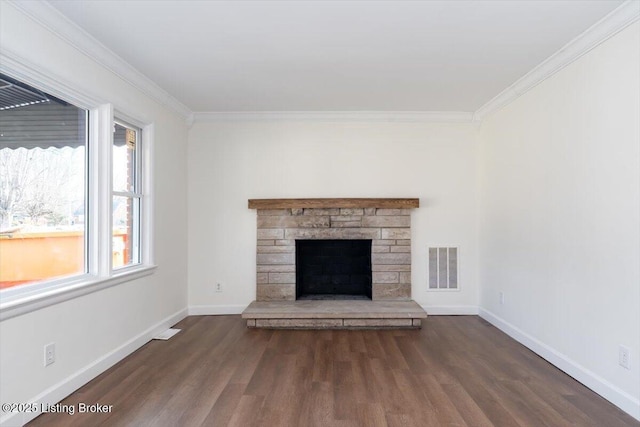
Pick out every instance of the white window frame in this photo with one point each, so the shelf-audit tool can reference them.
(98, 231)
(137, 193)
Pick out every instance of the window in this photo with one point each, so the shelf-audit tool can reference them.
(126, 195)
(72, 197)
(43, 184)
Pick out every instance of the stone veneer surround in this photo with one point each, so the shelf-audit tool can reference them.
(388, 229)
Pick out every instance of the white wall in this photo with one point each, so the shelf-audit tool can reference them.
(87, 330)
(232, 162)
(560, 218)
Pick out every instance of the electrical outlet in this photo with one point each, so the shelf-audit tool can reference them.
(624, 357)
(501, 298)
(218, 287)
(49, 354)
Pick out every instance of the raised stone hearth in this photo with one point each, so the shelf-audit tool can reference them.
(334, 314)
(386, 223)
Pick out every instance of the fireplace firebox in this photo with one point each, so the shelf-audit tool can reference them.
(333, 269)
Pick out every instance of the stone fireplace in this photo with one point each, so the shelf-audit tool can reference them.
(359, 249)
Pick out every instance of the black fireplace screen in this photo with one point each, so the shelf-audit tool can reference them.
(333, 269)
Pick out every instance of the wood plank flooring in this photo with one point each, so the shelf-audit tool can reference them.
(455, 371)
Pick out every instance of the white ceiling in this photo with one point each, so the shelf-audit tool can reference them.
(334, 55)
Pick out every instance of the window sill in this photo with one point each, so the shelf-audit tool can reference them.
(12, 307)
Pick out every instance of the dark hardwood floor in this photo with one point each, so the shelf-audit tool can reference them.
(456, 371)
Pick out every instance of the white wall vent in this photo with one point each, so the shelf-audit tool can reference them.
(443, 268)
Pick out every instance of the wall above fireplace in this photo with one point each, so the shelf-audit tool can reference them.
(386, 222)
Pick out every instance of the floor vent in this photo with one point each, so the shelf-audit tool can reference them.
(443, 268)
(166, 334)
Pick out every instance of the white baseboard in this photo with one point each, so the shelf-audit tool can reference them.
(64, 388)
(212, 310)
(451, 310)
(613, 394)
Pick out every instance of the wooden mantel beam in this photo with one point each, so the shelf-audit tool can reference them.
(333, 203)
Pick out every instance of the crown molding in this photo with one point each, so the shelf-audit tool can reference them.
(337, 116)
(618, 19)
(52, 19)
